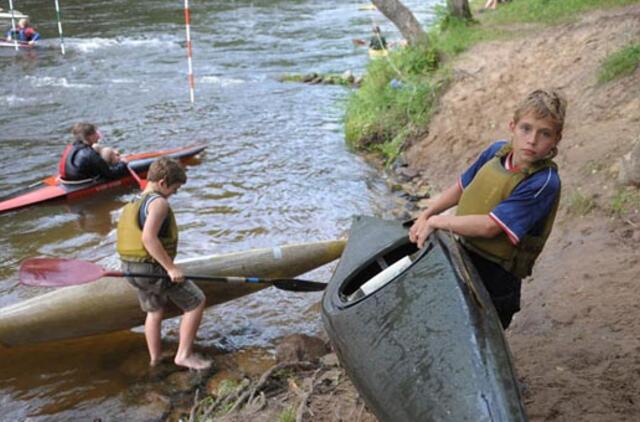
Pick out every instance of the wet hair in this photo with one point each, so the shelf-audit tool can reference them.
(168, 169)
(544, 104)
(82, 131)
(376, 29)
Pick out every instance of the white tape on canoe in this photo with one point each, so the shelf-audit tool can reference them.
(277, 253)
(382, 278)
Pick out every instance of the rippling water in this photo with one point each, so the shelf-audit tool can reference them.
(276, 169)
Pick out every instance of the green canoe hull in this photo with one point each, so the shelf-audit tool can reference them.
(426, 346)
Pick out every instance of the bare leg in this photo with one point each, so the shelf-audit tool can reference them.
(490, 4)
(188, 328)
(152, 333)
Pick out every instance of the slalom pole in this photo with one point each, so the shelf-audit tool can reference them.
(59, 26)
(187, 22)
(13, 25)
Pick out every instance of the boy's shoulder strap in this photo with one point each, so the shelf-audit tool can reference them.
(504, 150)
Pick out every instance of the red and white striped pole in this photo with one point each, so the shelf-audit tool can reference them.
(58, 16)
(187, 21)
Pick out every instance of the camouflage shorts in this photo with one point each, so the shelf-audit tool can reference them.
(153, 293)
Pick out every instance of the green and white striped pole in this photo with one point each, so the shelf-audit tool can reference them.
(59, 26)
(13, 25)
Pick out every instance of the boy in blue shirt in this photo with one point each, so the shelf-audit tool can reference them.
(507, 201)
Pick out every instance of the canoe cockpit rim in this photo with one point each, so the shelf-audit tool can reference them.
(384, 258)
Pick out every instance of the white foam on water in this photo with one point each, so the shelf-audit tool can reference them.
(216, 80)
(90, 45)
(42, 81)
(14, 100)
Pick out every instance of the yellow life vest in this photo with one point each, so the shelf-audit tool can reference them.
(129, 234)
(490, 186)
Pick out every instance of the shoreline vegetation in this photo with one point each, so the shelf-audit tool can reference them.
(574, 343)
(382, 119)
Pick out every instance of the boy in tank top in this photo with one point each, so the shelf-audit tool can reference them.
(148, 243)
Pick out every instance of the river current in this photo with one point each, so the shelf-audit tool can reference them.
(276, 169)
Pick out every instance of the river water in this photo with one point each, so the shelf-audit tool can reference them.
(276, 169)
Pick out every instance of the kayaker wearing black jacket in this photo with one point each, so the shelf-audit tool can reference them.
(80, 161)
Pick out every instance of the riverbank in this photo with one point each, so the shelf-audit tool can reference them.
(575, 343)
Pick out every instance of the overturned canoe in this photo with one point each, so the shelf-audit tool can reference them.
(425, 343)
(110, 304)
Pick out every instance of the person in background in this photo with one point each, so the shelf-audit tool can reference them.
(80, 161)
(507, 201)
(24, 32)
(377, 41)
(147, 242)
(492, 4)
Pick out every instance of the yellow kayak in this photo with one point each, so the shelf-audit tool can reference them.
(110, 304)
(375, 54)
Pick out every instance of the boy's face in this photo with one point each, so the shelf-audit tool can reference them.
(168, 190)
(533, 139)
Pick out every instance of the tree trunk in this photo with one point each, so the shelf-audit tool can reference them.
(403, 19)
(459, 8)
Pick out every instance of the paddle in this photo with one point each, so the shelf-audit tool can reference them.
(141, 183)
(58, 272)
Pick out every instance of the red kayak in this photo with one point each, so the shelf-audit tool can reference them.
(52, 188)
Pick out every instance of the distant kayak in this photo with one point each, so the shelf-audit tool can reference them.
(21, 45)
(16, 15)
(416, 330)
(375, 54)
(53, 188)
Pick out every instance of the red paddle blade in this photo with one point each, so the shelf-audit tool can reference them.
(56, 272)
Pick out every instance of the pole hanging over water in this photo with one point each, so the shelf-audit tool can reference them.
(13, 25)
(59, 26)
(187, 21)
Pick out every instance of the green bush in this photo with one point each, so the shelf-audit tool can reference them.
(381, 109)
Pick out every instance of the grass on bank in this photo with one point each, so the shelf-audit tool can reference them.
(620, 63)
(548, 11)
(382, 115)
(626, 201)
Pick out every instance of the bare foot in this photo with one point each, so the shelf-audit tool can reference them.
(193, 362)
(167, 354)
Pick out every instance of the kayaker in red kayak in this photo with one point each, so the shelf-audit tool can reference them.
(80, 161)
